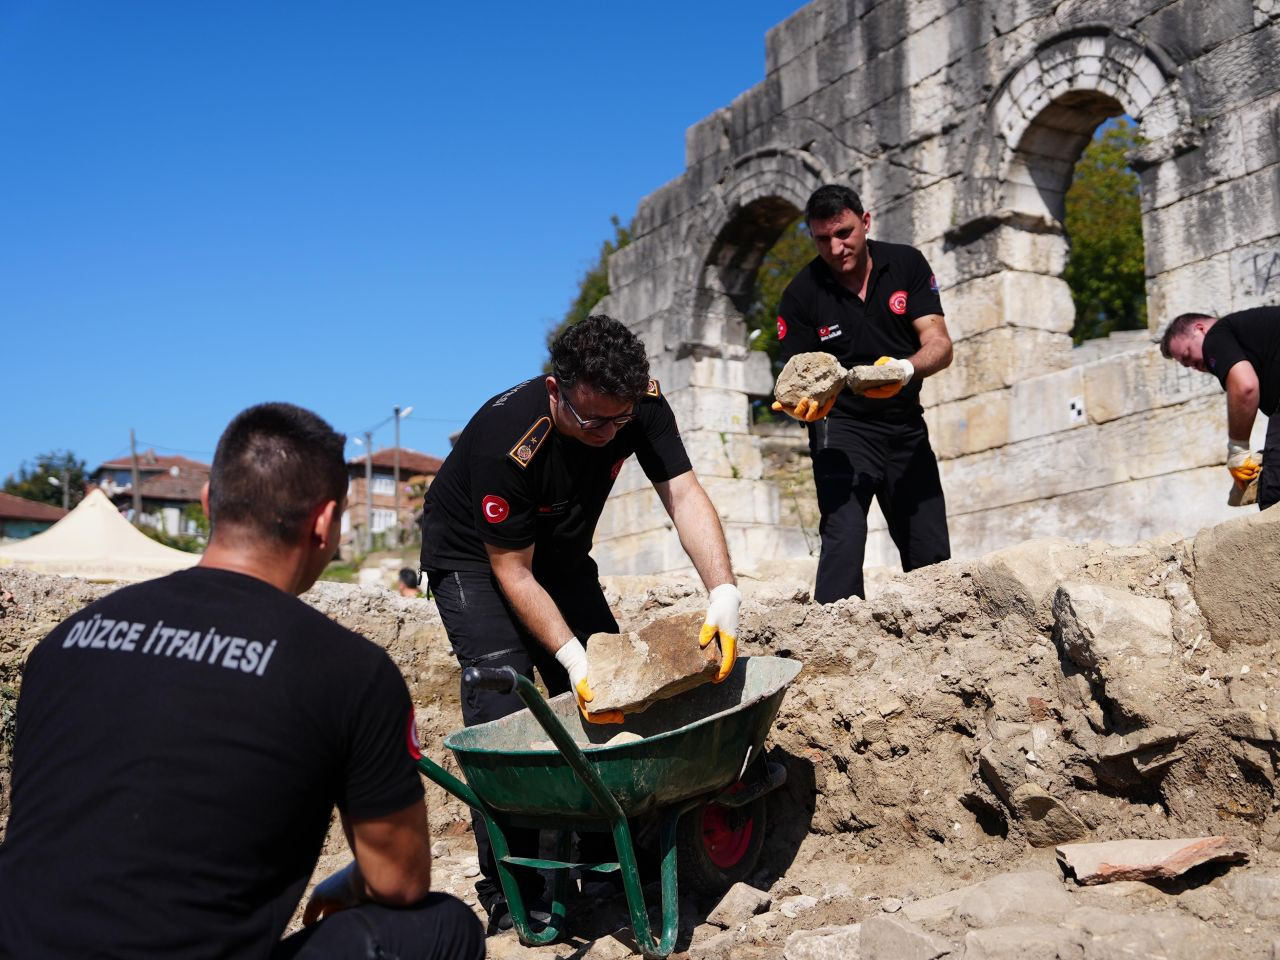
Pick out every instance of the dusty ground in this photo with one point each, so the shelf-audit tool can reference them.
(1086, 676)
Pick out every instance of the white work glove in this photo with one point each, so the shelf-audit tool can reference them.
(722, 619)
(1241, 462)
(905, 367)
(573, 657)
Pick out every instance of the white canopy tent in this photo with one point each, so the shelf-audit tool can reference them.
(93, 541)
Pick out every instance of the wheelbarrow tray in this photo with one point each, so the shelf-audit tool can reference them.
(694, 744)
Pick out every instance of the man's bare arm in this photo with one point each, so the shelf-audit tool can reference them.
(698, 526)
(530, 601)
(935, 345)
(1242, 400)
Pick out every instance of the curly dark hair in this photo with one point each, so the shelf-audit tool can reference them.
(604, 355)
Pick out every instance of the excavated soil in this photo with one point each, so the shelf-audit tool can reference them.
(1082, 675)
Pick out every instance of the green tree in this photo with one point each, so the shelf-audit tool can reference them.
(792, 250)
(593, 285)
(35, 482)
(1104, 224)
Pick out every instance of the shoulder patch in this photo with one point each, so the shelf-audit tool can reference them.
(527, 446)
(654, 390)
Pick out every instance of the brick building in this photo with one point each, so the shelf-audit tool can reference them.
(417, 470)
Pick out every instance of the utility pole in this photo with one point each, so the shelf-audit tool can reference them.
(368, 490)
(137, 483)
(396, 529)
(66, 486)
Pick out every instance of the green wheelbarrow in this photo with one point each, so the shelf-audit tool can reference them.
(698, 771)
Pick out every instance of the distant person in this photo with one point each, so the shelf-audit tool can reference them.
(1243, 351)
(866, 301)
(509, 523)
(407, 584)
(182, 743)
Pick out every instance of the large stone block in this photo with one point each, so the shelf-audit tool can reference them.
(632, 670)
(705, 408)
(1227, 216)
(997, 358)
(746, 371)
(1237, 579)
(1023, 578)
(1203, 286)
(1050, 403)
(1138, 381)
(1011, 297)
(734, 455)
(970, 425)
(1255, 275)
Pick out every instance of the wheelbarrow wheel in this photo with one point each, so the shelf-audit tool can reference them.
(720, 845)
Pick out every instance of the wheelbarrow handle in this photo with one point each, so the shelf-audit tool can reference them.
(501, 679)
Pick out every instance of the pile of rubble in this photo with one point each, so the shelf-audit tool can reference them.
(950, 745)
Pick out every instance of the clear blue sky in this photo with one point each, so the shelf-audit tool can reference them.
(346, 206)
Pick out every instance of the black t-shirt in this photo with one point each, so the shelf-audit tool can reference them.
(181, 745)
(1252, 335)
(512, 480)
(817, 313)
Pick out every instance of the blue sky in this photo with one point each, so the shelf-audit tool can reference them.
(346, 206)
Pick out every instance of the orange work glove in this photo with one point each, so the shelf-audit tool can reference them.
(807, 410)
(1241, 463)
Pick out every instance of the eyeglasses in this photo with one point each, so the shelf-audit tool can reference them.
(597, 423)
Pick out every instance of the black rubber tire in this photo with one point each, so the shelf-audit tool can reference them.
(698, 872)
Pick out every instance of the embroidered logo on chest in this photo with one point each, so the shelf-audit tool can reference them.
(898, 302)
(826, 333)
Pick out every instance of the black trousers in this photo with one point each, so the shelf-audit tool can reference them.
(854, 461)
(441, 927)
(1269, 482)
(484, 631)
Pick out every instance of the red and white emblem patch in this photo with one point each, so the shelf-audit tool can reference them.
(617, 469)
(411, 738)
(782, 329)
(495, 509)
(898, 302)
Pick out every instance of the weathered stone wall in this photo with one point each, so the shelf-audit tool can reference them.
(959, 122)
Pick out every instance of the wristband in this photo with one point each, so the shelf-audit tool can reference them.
(573, 657)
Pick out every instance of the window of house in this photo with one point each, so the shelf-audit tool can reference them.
(383, 519)
(384, 485)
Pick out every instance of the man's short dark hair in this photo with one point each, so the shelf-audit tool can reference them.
(275, 463)
(604, 355)
(409, 577)
(831, 201)
(1177, 327)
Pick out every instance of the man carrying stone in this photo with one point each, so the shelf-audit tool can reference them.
(866, 301)
(508, 527)
(1243, 351)
(181, 745)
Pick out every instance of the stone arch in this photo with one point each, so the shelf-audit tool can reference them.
(1043, 114)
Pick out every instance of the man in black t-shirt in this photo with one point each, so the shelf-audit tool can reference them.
(509, 521)
(863, 302)
(181, 745)
(1243, 351)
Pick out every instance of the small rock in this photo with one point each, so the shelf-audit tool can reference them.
(894, 938)
(890, 905)
(818, 376)
(717, 947)
(439, 849)
(1146, 859)
(1044, 818)
(1021, 942)
(840, 891)
(868, 376)
(1012, 896)
(825, 943)
(792, 907)
(1257, 892)
(471, 871)
(741, 902)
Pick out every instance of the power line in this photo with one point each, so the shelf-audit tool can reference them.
(161, 446)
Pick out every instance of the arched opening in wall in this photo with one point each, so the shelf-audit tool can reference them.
(1071, 169)
(1103, 221)
(781, 262)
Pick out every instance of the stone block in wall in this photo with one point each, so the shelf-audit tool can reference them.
(1255, 275)
(1229, 76)
(746, 371)
(708, 137)
(1227, 216)
(1002, 248)
(970, 425)
(799, 78)
(920, 212)
(1183, 29)
(743, 500)
(997, 358)
(798, 33)
(732, 455)
(654, 551)
(705, 408)
(1050, 403)
(1129, 383)
(757, 549)
(1097, 455)
(1200, 286)
(1011, 297)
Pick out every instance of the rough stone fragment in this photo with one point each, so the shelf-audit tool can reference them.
(1146, 859)
(792, 907)
(1044, 818)
(629, 671)
(1021, 942)
(1025, 895)
(1237, 578)
(718, 947)
(1096, 624)
(1257, 892)
(815, 375)
(1022, 579)
(1245, 496)
(1164, 934)
(887, 937)
(740, 902)
(867, 377)
(825, 943)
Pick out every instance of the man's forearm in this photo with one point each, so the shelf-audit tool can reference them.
(699, 529)
(534, 607)
(1242, 410)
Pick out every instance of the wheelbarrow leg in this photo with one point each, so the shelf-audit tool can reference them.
(634, 889)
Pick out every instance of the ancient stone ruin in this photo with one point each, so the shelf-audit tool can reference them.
(959, 122)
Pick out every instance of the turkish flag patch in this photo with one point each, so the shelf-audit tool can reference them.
(495, 509)
(782, 329)
(898, 302)
(411, 737)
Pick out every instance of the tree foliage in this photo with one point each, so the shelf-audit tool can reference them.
(1104, 224)
(792, 250)
(593, 285)
(33, 483)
